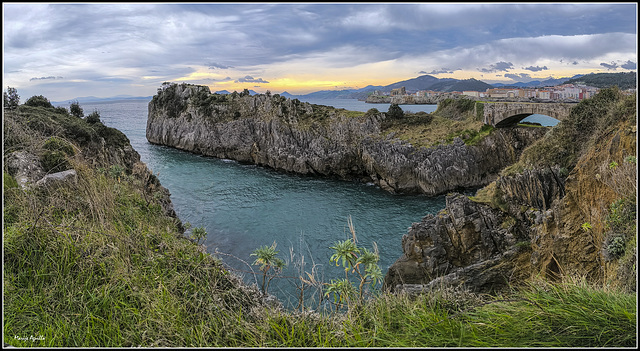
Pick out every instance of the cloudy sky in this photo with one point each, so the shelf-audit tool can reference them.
(64, 51)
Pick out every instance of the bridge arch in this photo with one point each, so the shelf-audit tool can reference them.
(504, 114)
(515, 119)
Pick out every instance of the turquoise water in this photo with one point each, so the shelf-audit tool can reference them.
(243, 207)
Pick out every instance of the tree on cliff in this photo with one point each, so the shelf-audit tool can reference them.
(76, 110)
(11, 98)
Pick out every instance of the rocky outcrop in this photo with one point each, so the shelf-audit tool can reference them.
(303, 138)
(24, 167)
(536, 188)
(464, 244)
(398, 166)
(69, 176)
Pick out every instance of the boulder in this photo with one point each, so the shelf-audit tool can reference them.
(24, 167)
(58, 179)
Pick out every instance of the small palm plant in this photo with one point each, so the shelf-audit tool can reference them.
(266, 259)
(342, 291)
(361, 261)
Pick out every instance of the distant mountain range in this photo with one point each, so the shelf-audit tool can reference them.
(88, 99)
(624, 80)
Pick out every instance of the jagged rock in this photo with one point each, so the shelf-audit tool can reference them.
(486, 276)
(536, 188)
(60, 178)
(465, 242)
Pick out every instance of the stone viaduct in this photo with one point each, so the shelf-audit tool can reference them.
(504, 114)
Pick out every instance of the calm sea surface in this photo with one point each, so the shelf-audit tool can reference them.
(243, 207)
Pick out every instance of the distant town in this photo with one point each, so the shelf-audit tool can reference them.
(558, 93)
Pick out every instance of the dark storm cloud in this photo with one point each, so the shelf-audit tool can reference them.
(440, 71)
(498, 67)
(517, 76)
(536, 68)
(250, 79)
(629, 65)
(609, 66)
(218, 66)
(45, 78)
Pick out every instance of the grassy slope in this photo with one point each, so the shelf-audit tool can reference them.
(99, 264)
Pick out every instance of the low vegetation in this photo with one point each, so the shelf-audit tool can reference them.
(97, 263)
(453, 119)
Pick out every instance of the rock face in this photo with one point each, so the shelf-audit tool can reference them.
(460, 245)
(309, 139)
(24, 167)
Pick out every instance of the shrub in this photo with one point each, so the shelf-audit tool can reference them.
(8, 182)
(54, 161)
(94, 117)
(615, 247)
(38, 101)
(58, 144)
(395, 112)
(79, 130)
(55, 158)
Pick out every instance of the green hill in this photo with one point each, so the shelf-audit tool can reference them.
(624, 80)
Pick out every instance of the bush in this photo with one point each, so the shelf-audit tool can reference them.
(94, 117)
(395, 112)
(615, 247)
(54, 161)
(38, 101)
(58, 144)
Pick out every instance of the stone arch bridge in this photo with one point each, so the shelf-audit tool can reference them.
(505, 114)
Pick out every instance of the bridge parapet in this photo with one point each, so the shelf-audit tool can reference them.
(502, 114)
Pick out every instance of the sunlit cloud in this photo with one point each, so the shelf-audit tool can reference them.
(131, 48)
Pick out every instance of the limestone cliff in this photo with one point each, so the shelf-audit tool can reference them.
(567, 208)
(298, 137)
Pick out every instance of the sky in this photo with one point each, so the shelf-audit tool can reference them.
(65, 51)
